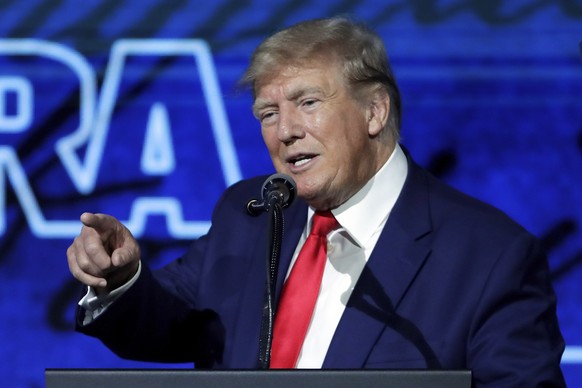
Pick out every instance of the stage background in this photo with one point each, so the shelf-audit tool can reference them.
(130, 108)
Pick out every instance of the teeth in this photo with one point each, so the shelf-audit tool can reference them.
(302, 161)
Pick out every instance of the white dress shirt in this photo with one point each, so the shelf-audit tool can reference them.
(362, 219)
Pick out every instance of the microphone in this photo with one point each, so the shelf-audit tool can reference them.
(277, 189)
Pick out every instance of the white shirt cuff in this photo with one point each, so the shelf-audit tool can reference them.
(96, 305)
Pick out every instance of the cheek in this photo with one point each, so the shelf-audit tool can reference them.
(347, 153)
(270, 141)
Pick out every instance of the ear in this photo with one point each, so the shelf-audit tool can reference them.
(378, 112)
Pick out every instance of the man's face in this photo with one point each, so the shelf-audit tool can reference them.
(317, 133)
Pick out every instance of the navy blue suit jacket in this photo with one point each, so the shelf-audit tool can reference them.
(452, 283)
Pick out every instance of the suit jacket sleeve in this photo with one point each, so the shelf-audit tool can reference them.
(514, 335)
(162, 317)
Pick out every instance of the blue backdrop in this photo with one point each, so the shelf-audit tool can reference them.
(130, 108)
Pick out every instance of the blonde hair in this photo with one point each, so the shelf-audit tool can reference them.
(359, 51)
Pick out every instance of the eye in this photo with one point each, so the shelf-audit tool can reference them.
(267, 117)
(309, 104)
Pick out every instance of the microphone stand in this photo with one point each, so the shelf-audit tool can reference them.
(278, 192)
(275, 230)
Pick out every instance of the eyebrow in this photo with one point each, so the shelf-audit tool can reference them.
(257, 106)
(299, 92)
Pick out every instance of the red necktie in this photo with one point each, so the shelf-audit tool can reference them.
(300, 293)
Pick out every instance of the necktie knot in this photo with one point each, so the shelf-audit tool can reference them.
(323, 223)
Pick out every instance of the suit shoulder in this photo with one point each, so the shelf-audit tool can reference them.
(449, 204)
(234, 199)
(251, 186)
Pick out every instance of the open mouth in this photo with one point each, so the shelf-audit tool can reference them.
(300, 160)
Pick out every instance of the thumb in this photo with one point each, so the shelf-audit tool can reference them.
(125, 264)
(125, 255)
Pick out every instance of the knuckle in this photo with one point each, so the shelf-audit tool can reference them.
(84, 265)
(93, 248)
(77, 273)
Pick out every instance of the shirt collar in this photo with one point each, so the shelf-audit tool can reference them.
(369, 208)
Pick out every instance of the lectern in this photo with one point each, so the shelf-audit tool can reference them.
(158, 378)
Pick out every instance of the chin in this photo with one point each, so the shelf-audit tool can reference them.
(304, 192)
(313, 198)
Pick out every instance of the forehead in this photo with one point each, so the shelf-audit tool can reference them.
(289, 80)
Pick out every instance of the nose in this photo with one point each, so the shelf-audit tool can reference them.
(290, 127)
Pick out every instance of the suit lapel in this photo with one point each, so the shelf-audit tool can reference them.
(392, 267)
(295, 218)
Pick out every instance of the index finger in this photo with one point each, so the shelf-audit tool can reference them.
(102, 223)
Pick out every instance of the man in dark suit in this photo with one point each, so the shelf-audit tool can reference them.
(414, 273)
